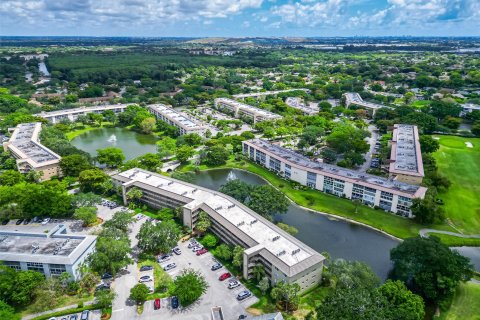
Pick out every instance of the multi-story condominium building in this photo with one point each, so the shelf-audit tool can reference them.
(388, 194)
(30, 154)
(297, 103)
(50, 253)
(406, 157)
(355, 99)
(245, 111)
(468, 107)
(183, 122)
(284, 257)
(73, 114)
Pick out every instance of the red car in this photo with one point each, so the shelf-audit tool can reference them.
(225, 276)
(201, 251)
(156, 304)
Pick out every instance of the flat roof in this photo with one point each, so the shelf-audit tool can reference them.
(354, 176)
(249, 108)
(175, 116)
(266, 93)
(64, 112)
(25, 140)
(406, 155)
(355, 98)
(265, 234)
(297, 103)
(56, 247)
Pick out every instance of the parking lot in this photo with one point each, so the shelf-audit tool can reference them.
(93, 315)
(217, 294)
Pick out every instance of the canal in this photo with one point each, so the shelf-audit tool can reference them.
(132, 143)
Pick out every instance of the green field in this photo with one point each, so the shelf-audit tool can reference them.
(462, 166)
(466, 303)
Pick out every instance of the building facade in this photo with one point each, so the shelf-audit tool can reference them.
(297, 103)
(184, 123)
(73, 114)
(244, 111)
(387, 194)
(284, 257)
(30, 154)
(49, 253)
(406, 164)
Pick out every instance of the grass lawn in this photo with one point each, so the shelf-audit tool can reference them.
(63, 301)
(420, 103)
(319, 201)
(466, 303)
(82, 129)
(462, 167)
(452, 241)
(164, 285)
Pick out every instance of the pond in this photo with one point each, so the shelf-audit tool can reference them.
(132, 143)
(339, 238)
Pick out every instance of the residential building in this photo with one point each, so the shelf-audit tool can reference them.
(297, 103)
(353, 98)
(284, 257)
(50, 253)
(388, 194)
(266, 93)
(406, 163)
(184, 123)
(467, 108)
(245, 111)
(30, 154)
(73, 114)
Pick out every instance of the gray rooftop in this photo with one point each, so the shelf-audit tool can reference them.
(53, 247)
(25, 138)
(251, 109)
(305, 162)
(175, 116)
(355, 98)
(405, 154)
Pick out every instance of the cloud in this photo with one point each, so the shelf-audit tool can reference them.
(312, 13)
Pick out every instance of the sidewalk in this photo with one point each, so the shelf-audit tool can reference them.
(73, 306)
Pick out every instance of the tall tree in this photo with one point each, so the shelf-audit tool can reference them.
(73, 164)
(190, 285)
(111, 156)
(158, 238)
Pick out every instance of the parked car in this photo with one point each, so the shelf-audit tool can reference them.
(242, 316)
(201, 251)
(145, 279)
(4, 222)
(163, 258)
(36, 219)
(73, 317)
(224, 276)
(45, 221)
(170, 266)
(146, 268)
(103, 286)
(19, 221)
(156, 304)
(174, 302)
(216, 266)
(106, 276)
(177, 251)
(233, 284)
(27, 221)
(243, 295)
(85, 315)
(197, 248)
(193, 244)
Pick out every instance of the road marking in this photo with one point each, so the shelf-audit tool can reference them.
(117, 310)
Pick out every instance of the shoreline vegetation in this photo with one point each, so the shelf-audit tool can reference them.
(395, 227)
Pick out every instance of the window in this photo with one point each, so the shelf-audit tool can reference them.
(274, 164)
(13, 264)
(260, 157)
(311, 179)
(57, 269)
(35, 266)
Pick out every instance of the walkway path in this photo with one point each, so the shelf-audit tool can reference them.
(73, 306)
(424, 233)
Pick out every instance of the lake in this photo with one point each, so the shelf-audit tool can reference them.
(339, 238)
(132, 143)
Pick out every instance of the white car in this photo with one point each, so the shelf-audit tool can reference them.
(145, 279)
(197, 248)
(233, 284)
(163, 258)
(170, 266)
(45, 221)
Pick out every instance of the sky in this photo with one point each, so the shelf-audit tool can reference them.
(240, 18)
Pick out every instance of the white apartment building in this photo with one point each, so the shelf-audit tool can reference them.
(73, 114)
(30, 154)
(406, 164)
(298, 103)
(355, 99)
(284, 257)
(50, 253)
(387, 194)
(175, 118)
(242, 110)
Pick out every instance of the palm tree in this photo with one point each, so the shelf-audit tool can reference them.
(258, 271)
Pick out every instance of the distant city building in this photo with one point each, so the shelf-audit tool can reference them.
(266, 93)
(388, 194)
(73, 114)
(242, 110)
(406, 163)
(284, 257)
(50, 253)
(186, 124)
(30, 154)
(297, 103)
(353, 98)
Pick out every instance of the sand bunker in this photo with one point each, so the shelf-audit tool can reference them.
(469, 144)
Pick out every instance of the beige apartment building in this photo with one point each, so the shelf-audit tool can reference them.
(30, 154)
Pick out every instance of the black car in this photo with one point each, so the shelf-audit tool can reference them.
(27, 221)
(242, 316)
(103, 286)
(4, 222)
(174, 302)
(146, 268)
(107, 276)
(19, 221)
